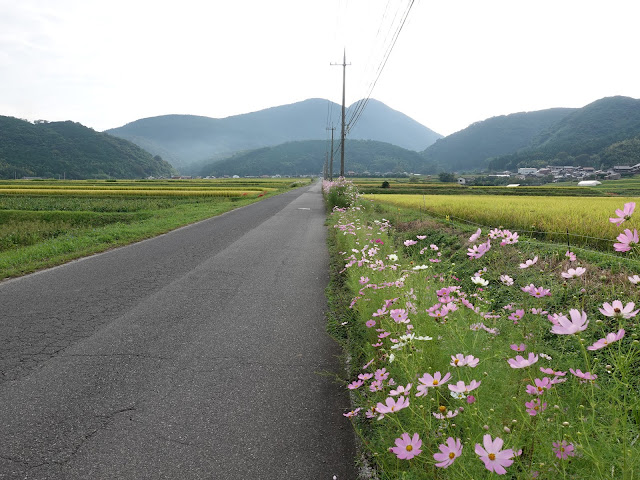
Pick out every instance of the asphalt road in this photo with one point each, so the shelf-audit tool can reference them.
(196, 354)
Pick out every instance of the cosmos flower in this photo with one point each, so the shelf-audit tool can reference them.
(460, 387)
(578, 323)
(450, 450)
(518, 348)
(610, 338)
(529, 263)
(627, 240)
(427, 381)
(615, 309)
(408, 243)
(624, 214)
(352, 413)
(521, 362)
(585, 376)
(459, 360)
(534, 407)
(475, 236)
(391, 405)
(495, 459)
(507, 280)
(407, 447)
(571, 255)
(478, 280)
(563, 450)
(539, 387)
(574, 272)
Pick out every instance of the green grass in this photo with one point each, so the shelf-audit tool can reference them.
(40, 231)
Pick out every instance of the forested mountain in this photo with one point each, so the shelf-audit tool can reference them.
(188, 139)
(594, 135)
(69, 149)
(468, 149)
(308, 157)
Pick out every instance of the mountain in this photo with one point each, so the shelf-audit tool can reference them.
(468, 149)
(189, 139)
(588, 133)
(73, 150)
(308, 157)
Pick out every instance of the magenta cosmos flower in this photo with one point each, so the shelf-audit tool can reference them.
(627, 240)
(450, 450)
(521, 362)
(495, 459)
(577, 323)
(460, 387)
(610, 338)
(624, 214)
(563, 449)
(407, 447)
(478, 251)
(615, 309)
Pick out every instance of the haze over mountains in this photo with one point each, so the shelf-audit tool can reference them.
(292, 140)
(184, 140)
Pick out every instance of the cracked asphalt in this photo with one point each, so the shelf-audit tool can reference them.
(199, 354)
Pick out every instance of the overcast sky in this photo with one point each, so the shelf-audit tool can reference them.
(107, 63)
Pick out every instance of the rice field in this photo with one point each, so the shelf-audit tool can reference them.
(44, 223)
(579, 220)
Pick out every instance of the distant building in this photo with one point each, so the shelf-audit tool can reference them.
(462, 181)
(527, 171)
(589, 183)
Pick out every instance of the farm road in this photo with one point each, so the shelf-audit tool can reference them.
(192, 355)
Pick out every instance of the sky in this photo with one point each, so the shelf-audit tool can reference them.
(454, 62)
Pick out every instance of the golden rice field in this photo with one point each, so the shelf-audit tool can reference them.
(553, 216)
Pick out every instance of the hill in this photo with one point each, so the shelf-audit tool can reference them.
(586, 136)
(308, 157)
(469, 149)
(187, 139)
(70, 149)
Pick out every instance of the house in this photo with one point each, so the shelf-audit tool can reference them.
(527, 171)
(462, 181)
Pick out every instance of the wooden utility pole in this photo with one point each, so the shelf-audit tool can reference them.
(331, 163)
(342, 135)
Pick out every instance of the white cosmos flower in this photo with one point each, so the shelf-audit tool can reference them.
(479, 281)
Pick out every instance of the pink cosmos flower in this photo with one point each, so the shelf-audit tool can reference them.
(400, 390)
(518, 348)
(408, 243)
(449, 414)
(433, 247)
(521, 362)
(615, 309)
(509, 238)
(391, 405)
(571, 255)
(495, 459)
(541, 384)
(529, 263)
(475, 236)
(477, 251)
(578, 323)
(459, 360)
(627, 240)
(381, 374)
(624, 214)
(364, 280)
(365, 376)
(352, 413)
(460, 387)
(421, 237)
(610, 338)
(399, 315)
(585, 376)
(375, 386)
(537, 292)
(507, 280)
(563, 450)
(635, 279)
(534, 407)
(355, 384)
(573, 272)
(427, 381)
(450, 450)
(407, 447)
(517, 315)
(381, 311)
(370, 323)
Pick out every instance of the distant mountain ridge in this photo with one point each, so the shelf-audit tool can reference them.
(189, 139)
(593, 134)
(470, 148)
(308, 158)
(53, 149)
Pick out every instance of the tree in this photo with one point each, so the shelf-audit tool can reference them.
(446, 177)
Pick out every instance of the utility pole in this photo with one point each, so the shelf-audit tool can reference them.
(344, 76)
(331, 164)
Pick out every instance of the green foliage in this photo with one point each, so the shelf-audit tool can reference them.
(69, 149)
(308, 157)
(468, 149)
(446, 177)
